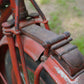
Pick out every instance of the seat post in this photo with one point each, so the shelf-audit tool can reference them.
(23, 13)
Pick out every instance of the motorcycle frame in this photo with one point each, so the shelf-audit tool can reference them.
(51, 65)
(10, 39)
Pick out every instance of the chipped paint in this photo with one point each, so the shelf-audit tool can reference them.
(63, 75)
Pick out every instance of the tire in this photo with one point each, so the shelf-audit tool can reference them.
(30, 63)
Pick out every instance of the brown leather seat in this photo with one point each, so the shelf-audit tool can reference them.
(71, 59)
(43, 36)
(39, 34)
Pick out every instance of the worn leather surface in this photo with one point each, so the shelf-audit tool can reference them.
(74, 58)
(71, 58)
(39, 34)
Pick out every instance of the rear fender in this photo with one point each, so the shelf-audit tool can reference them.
(58, 73)
(31, 47)
(51, 67)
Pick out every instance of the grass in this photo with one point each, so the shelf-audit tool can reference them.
(78, 11)
(44, 1)
(80, 43)
(76, 25)
(55, 23)
(64, 3)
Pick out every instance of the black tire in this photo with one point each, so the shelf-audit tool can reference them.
(30, 63)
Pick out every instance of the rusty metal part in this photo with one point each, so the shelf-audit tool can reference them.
(37, 73)
(8, 24)
(38, 9)
(14, 58)
(31, 47)
(40, 13)
(23, 23)
(18, 37)
(22, 9)
(13, 77)
(7, 30)
(46, 52)
(13, 55)
(20, 46)
(46, 26)
(49, 65)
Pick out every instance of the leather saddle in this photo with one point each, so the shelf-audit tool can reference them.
(67, 54)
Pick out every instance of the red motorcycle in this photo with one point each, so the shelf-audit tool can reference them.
(27, 49)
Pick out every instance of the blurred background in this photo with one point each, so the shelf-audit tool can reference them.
(64, 15)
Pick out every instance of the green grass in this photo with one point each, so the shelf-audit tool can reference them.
(76, 25)
(55, 23)
(64, 3)
(44, 1)
(80, 43)
(78, 11)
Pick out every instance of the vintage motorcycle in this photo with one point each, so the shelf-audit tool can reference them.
(26, 48)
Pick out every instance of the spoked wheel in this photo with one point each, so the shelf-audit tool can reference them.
(44, 76)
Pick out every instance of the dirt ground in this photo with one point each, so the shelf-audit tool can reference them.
(80, 4)
(73, 24)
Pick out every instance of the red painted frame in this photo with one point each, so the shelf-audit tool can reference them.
(51, 65)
